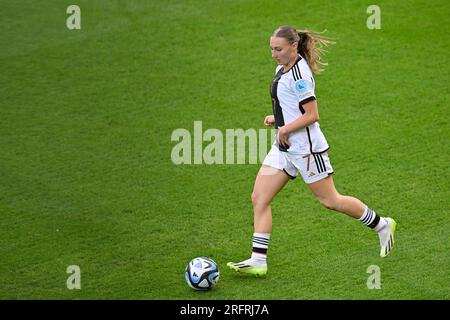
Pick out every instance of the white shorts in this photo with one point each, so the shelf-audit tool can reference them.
(312, 167)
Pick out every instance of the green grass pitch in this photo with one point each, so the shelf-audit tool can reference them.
(86, 176)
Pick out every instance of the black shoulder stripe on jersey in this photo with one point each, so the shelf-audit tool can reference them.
(296, 72)
(299, 58)
(298, 69)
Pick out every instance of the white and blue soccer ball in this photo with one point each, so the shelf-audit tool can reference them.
(202, 273)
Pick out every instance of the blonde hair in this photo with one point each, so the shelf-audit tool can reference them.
(310, 44)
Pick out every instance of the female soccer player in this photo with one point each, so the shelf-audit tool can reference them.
(300, 148)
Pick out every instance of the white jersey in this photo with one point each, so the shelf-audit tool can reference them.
(290, 91)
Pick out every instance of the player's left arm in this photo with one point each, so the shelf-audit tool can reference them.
(310, 116)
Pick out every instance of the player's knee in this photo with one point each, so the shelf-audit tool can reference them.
(255, 198)
(259, 200)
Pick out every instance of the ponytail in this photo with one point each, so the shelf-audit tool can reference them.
(311, 46)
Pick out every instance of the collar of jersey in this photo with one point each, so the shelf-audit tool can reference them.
(299, 57)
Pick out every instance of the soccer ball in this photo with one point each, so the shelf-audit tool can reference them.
(202, 273)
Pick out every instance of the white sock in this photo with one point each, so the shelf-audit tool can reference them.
(259, 259)
(260, 246)
(371, 219)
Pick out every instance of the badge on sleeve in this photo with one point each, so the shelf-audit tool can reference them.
(301, 86)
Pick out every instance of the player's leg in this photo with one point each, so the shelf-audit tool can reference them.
(268, 183)
(330, 198)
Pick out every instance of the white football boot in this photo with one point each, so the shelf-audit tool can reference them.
(387, 237)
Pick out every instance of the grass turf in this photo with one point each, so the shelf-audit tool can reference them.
(86, 176)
